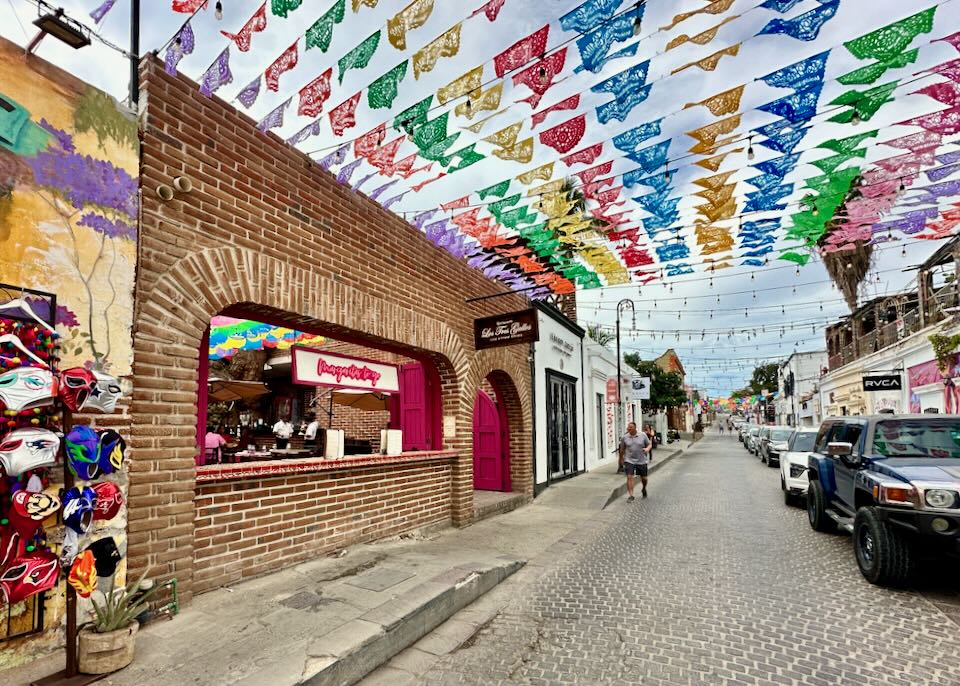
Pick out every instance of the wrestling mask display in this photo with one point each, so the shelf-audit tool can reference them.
(104, 395)
(27, 388)
(83, 450)
(28, 575)
(76, 385)
(83, 574)
(78, 508)
(25, 449)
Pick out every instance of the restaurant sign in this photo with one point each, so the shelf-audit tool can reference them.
(506, 329)
(315, 368)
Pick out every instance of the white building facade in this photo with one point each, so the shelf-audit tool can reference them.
(799, 377)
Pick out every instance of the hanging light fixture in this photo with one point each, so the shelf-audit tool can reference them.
(637, 20)
(750, 153)
(218, 11)
(855, 118)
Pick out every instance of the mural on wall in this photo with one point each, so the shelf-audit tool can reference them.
(69, 205)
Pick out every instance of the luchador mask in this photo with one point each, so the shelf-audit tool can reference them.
(34, 507)
(106, 555)
(26, 388)
(110, 448)
(28, 575)
(83, 448)
(78, 508)
(83, 574)
(104, 395)
(76, 385)
(25, 449)
(109, 500)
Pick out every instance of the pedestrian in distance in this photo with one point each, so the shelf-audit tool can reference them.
(635, 455)
(720, 424)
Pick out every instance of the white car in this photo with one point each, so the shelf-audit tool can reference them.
(793, 464)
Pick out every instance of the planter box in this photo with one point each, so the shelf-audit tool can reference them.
(106, 653)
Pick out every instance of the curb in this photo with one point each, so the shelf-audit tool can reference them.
(618, 492)
(360, 646)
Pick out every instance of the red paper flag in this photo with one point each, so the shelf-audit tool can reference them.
(382, 157)
(256, 24)
(187, 6)
(539, 77)
(588, 175)
(522, 51)
(491, 9)
(571, 103)
(314, 94)
(608, 197)
(284, 63)
(592, 189)
(366, 144)
(405, 168)
(342, 116)
(457, 204)
(418, 187)
(585, 156)
(565, 136)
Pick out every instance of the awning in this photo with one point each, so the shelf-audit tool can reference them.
(362, 400)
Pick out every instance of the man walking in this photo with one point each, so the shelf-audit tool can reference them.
(635, 455)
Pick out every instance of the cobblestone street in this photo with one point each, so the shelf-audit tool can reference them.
(712, 580)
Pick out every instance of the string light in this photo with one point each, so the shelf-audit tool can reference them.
(637, 21)
(750, 153)
(218, 11)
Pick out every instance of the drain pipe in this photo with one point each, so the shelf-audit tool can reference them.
(533, 415)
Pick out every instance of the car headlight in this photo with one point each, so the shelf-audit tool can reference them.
(797, 470)
(940, 498)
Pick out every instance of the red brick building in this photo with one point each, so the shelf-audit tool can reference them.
(266, 234)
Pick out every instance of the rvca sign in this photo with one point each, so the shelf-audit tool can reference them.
(886, 382)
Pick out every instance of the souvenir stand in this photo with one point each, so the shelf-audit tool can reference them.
(47, 533)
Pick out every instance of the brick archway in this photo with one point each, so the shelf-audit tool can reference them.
(171, 319)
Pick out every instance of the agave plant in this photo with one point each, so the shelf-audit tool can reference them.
(120, 607)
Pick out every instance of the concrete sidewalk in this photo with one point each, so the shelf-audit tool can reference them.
(335, 619)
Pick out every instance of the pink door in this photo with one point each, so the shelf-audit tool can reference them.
(413, 408)
(488, 471)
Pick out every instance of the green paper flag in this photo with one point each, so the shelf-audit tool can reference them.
(497, 208)
(848, 144)
(829, 164)
(497, 189)
(359, 57)
(872, 72)
(435, 151)
(321, 33)
(431, 132)
(792, 256)
(865, 104)
(888, 42)
(414, 116)
(280, 8)
(383, 91)
(516, 216)
(468, 156)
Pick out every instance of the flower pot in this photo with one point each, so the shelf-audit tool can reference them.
(106, 653)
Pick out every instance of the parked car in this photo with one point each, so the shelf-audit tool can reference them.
(793, 464)
(762, 436)
(773, 444)
(893, 482)
(751, 438)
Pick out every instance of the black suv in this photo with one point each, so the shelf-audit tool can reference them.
(893, 481)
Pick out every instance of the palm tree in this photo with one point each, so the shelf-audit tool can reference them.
(847, 268)
(599, 335)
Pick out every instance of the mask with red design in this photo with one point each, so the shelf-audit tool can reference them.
(27, 388)
(28, 575)
(83, 574)
(11, 546)
(25, 449)
(76, 385)
(108, 502)
(29, 510)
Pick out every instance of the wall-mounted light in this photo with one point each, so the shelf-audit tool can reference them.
(61, 27)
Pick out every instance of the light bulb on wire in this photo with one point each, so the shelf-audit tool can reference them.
(637, 20)
(218, 11)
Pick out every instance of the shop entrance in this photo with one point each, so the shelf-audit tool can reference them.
(561, 425)
(491, 470)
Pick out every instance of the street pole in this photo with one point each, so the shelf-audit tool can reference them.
(134, 55)
(622, 305)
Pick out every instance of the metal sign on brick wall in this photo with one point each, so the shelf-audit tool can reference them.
(882, 382)
(506, 329)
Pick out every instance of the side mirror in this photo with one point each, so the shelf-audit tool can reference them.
(839, 449)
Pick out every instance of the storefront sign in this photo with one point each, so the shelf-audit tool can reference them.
(640, 387)
(315, 368)
(506, 329)
(612, 391)
(885, 382)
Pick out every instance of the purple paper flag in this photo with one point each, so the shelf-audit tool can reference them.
(181, 45)
(100, 12)
(436, 231)
(377, 192)
(394, 199)
(948, 168)
(344, 175)
(217, 74)
(275, 118)
(336, 157)
(420, 219)
(250, 93)
(362, 181)
(311, 129)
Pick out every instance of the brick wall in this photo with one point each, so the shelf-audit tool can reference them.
(267, 234)
(253, 526)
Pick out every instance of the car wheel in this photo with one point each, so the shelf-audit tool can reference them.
(883, 555)
(817, 509)
(772, 464)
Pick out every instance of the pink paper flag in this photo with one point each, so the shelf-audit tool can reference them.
(314, 94)
(342, 116)
(571, 103)
(284, 63)
(255, 24)
(584, 156)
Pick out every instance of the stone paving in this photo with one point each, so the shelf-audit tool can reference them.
(712, 580)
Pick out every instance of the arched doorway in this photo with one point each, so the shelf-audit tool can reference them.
(491, 441)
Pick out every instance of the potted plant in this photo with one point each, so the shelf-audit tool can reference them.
(107, 644)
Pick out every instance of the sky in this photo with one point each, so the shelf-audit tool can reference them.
(691, 314)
